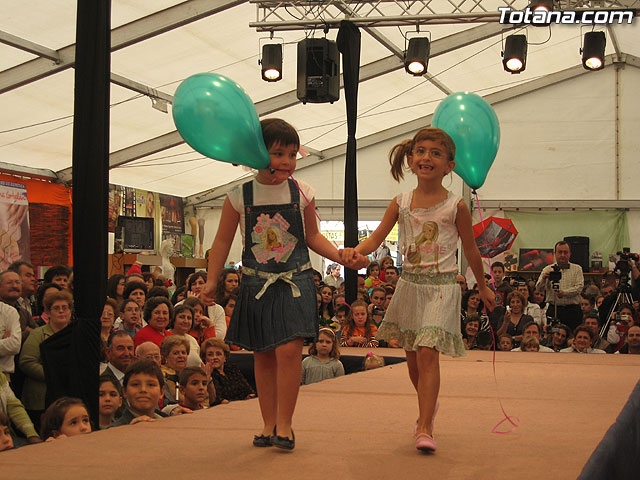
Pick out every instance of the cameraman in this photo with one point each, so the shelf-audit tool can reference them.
(566, 294)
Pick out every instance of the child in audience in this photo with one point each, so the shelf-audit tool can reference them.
(323, 360)
(340, 319)
(110, 400)
(360, 330)
(325, 313)
(372, 361)
(203, 327)
(505, 343)
(143, 388)
(66, 417)
(530, 344)
(373, 276)
(6, 440)
(276, 311)
(193, 388)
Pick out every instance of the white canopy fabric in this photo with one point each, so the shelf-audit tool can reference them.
(590, 116)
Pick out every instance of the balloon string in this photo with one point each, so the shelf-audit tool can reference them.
(308, 202)
(512, 420)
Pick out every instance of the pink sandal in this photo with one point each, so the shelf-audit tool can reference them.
(425, 443)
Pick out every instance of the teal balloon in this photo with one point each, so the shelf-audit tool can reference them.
(216, 117)
(473, 125)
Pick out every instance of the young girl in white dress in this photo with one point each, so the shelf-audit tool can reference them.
(424, 314)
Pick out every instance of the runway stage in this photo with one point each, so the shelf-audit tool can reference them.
(360, 427)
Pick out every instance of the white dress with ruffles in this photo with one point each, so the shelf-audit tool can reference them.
(425, 308)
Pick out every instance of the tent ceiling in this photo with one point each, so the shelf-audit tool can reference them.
(158, 44)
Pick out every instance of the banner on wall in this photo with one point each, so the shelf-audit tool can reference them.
(171, 214)
(145, 203)
(116, 200)
(14, 224)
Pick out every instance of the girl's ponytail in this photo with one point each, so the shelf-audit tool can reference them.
(397, 156)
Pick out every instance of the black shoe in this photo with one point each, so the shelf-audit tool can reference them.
(284, 442)
(263, 440)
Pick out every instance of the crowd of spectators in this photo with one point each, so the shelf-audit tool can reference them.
(165, 354)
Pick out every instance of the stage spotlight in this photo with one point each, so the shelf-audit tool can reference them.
(514, 57)
(546, 5)
(416, 58)
(271, 62)
(593, 50)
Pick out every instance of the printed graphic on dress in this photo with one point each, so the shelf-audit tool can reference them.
(423, 250)
(271, 239)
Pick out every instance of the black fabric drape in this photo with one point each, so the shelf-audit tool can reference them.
(81, 343)
(349, 45)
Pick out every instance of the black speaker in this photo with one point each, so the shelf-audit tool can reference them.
(318, 71)
(579, 251)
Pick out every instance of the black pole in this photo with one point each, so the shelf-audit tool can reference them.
(90, 192)
(349, 45)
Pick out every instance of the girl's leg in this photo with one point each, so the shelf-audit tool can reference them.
(289, 365)
(412, 364)
(428, 362)
(265, 370)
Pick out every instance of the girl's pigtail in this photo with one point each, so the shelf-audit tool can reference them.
(397, 156)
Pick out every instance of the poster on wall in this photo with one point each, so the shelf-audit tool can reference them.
(14, 224)
(130, 202)
(116, 195)
(145, 203)
(171, 214)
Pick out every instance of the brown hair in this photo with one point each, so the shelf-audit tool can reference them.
(213, 343)
(187, 373)
(400, 152)
(529, 341)
(276, 130)
(335, 351)
(173, 341)
(52, 297)
(53, 416)
(351, 324)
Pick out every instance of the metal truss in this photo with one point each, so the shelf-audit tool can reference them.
(310, 14)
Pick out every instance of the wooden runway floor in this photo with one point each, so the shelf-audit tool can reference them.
(360, 427)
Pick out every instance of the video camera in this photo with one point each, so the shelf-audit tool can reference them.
(555, 275)
(623, 265)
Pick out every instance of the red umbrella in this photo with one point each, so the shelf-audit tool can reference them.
(494, 235)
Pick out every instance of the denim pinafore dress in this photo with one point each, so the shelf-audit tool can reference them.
(277, 298)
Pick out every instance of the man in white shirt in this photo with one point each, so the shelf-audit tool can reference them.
(564, 293)
(10, 337)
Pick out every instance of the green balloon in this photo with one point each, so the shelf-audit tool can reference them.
(473, 125)
(216, 117)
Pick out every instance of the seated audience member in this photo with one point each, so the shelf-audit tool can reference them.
(505, 343)
(530, 344)
(58, 306)
(108, 318)
(373, 276)
(470, 332)
(592, 320)
(376, 307)
(66, 417)
(583, 338)
(130, 319)
(372, 361)
(143, 388)
(514, 318)
(530, 308)
(228, 283)
(157, 312)
(179, 295)
(14, 409)
(182, 323)
(175, 351)
(532, 329)
(391, 276)
(360, 330)
(389, 291)
(137, 291)
(484, 341)
(115, 287)
(497, 268)
(6, 440)
(120, 355)
(325, 309)
(323, 361)
(203, 327)
(462, 281)
(228, 380)
(632, 344)
(317, 278)
(591, 290)
(109, 400)
(149, 351)
(11, 294)
(58, 275)
(149, 280)
(363, 295)
(599, 300)
(624, 318)
(587, 306)
(472, 305)
(340, 319)
(157, 291)
(215, 313)
(196, 388)
(557, 338)
(385, 262)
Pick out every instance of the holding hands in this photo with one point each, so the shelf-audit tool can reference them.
(352, 259)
